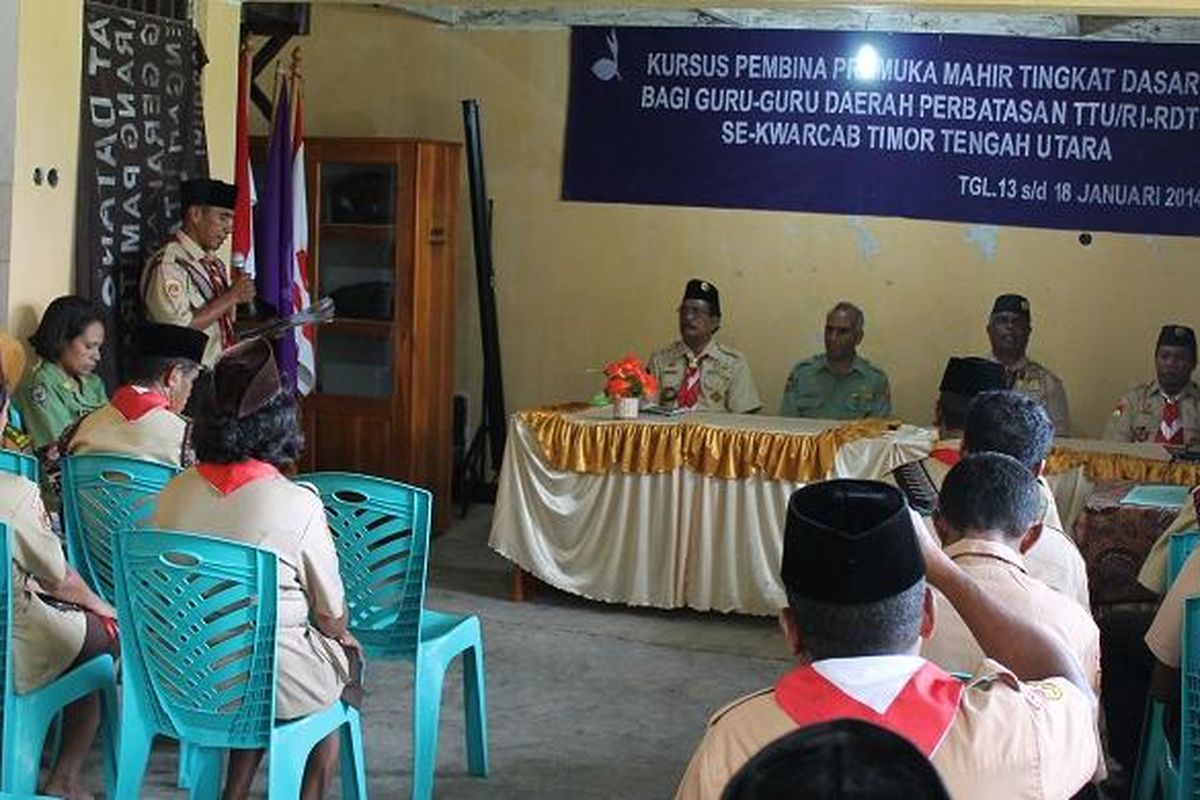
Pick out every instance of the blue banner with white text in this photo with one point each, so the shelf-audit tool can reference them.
(1051, 133)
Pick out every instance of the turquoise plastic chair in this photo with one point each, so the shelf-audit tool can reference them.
(102, 495)
(19, 464)
(1157, 774)
(199, 618)
(1189, 743)
(381, 529)
(27, 717)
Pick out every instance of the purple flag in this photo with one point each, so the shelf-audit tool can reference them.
(273, 243)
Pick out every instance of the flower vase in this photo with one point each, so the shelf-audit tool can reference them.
(625, 408)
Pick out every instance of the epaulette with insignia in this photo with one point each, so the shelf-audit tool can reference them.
(912, 479)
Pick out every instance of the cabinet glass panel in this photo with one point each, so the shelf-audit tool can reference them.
(354, 364)
(358, 238)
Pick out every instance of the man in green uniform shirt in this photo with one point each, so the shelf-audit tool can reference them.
(838, 384)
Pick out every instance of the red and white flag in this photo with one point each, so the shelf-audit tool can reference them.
(243, 215)
(306, 367)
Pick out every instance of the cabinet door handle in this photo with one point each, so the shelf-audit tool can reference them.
(437, 235)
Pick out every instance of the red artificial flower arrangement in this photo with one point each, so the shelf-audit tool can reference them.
(629, 378)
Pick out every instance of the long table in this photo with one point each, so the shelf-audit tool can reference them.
(672, 513)
(689, 512)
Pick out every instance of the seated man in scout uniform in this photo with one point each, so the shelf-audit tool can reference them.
(838, 384)
(856, 563)
(1164, 639)
(143, 419)
(1008, 331)
(990, 514)
(1017, 425)
(962, 379)
(1167, 409)
(57, 621)
(696, 371)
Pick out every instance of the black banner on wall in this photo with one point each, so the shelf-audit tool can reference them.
(142, 131)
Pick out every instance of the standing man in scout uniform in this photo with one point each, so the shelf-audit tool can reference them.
(856, 567)
(143, 419)
(1008, 331)
(838, 384)
(697, 372)
(185, 283)
(1167, 409)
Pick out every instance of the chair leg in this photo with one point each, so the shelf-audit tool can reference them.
(475, 710)
(285, 773)
(427, 705)
(110, 735)
(183, 775)
(204, 771)
(354, 769)
(1151, 752)
(23, 753)
(132, 756)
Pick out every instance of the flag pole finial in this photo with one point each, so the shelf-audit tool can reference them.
(296, 59)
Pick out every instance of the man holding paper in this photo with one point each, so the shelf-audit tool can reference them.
(185, 283)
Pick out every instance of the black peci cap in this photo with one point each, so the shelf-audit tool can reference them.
(703, 290)
(208, 192)
(972, 375)
(1178, 336)
(849, 542)
(156, 340)
(1011, 303)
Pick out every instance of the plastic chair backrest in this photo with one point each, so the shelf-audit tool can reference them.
(198, 625)
(19, 464)
(1179, 547)
(102, 495)
(1189, 748)
(381, 530)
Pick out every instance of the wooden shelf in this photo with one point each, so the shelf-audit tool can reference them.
(358, 230)
(360, 327)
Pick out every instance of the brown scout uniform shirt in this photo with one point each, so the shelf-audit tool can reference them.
(1166, 632)
(1139, 413)
(46, 638)
(1153, 574)
(288, 519)
(158, 435)
(725, 380)
(1033, 379)
(1009, 741)
(174, 286)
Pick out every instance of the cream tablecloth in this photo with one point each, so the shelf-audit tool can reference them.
(679, 537)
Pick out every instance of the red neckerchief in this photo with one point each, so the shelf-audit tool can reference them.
(921, 713)
(228, 478)
(947, 455)
(134, 402)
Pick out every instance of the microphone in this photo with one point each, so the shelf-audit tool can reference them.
(248, 309)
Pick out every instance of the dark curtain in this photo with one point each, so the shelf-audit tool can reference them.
(142, 132)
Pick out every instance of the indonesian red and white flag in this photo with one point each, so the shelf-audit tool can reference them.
(306, 365)
(242, 243)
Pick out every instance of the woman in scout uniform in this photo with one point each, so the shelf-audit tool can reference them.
(235, 491)
(57, 621)
(62, 388)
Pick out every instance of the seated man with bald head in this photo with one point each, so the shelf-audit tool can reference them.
(838, 384)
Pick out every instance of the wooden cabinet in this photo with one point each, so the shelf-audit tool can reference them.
(383, 222)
